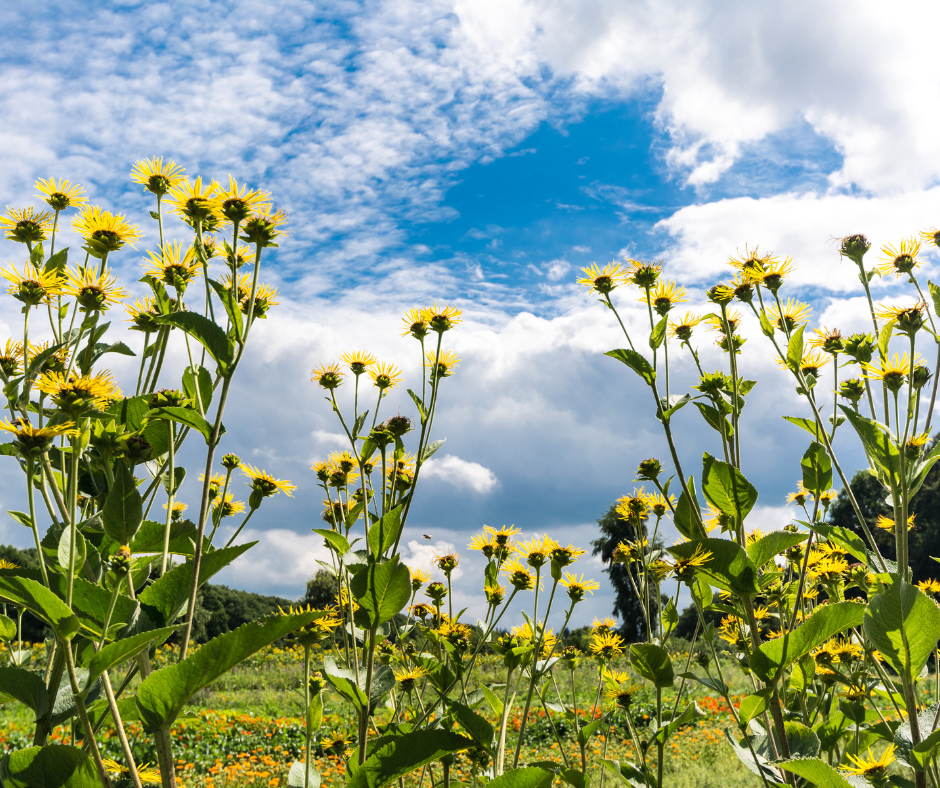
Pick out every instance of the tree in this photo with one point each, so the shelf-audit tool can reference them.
(924, 538)
(322, 590)
(614, 530)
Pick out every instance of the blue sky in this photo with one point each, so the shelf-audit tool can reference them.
(480, 153)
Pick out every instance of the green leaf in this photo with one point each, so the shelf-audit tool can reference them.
(344, 682)
(57, 263)
(881, 450)
(795, 349)
(755, 762)
(687, 518)
(422, 411)
(670, 618)
(185, 416)
(149, 539)
(63, 553)
(384, 533)
(162, 695)
(924, 751)
(26, 687)
(496, 703)
(382, 590)
(774, 543)
(658, 334)
(692, 712)
(707, 681)
(121, 651)
(7, 628)
(204, 331)
(807, 424)
(170, 594)
(848, 540)
(41, 602)
(314, 715)
(825, 622)
(715, 419)
(231, 305)
(754, 705)
(401, 755)
(527, 777)
(179, 475)
(123, 508)
(904, 625)
(884, 339)
(652, 662)
(587, 731)
(22, 518)
(803, 742)
(431, 449)
(475, 724)
(203, 379)
(623, 774)
(335, 539)
(765, 325)
(817, 469)
(674, 404)
(297, 779)
(726, 488)
(635, 361)
(727, 567)
(52, 766)
(818, 772)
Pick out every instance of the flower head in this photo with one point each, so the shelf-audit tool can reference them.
(901, 260)
(606, 645)
(359, 361)
(577, 586)
(887, 523)
(893, 372)
(264, 485)
(685, 568)
(663, 296)
(634, 506)
(328, 376)
(195, 204)
(789, 315)
(263, 227)
(237, 203)
(94, 291)
(643, 274)
(603, 280)
(442, 318)
(443, 366)
(33, 441)
(869, 766)
(25, 226)
(907, 319)
(32, 287)
(228, 506)
(682, 327)
(60, 194)
(385, 376)
(156, 176)
(752, 264)
(416, 324)
(104, 231)
(173, 266)
(519, 575)
(77, 393)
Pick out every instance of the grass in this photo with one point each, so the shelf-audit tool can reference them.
(247, 728)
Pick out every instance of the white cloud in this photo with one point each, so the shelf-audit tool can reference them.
(771, 518)
(556, 269)
(461, 473)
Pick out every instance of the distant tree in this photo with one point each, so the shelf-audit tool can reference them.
(220, 609)
(614, 530)
(322, 590)
(688, 618)
(924, 539)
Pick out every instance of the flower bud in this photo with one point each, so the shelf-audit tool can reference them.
(231, 461)
(854, 247)
(121, 561)
(649, 469)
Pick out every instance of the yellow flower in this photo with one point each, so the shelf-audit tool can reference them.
(25, 226)
(684, 568)
(775, 272)
(32, 287)
(94, 292)
(229, 507)
(103, 231)
(606, 645)
(931, 236)
(634, 506)
(237, 203)
(407, 678)
(600, 626)
(870, 766)
(565, 556)
(485, 543)
(519, 575)
(442, 367)
(893, 371)
(264, 300)
(577, 586)
(664, 296)
(11, 358)
(359, 361)
(788, 316)
(143, 313)
(503, 535)
(442, 318)
(752, 264)
(931, 586)
(799, 497)
(147, 774)
(643, 274)
(416, 324)
(4, 564)
(603, 280)
(902, 260)
(828, 339)
(329, 376)
(33, 441)
(263, 227)
(173, 266)
(729, 629)
(385, 376)
(537, 551)
(682, 328)
(62, 194)
(264, 484)
(418, 578)
(887, 523)
(907, 318)
(77, 393)
(155, 176)
(194, 203)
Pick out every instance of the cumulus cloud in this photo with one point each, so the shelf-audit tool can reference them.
(461, 473)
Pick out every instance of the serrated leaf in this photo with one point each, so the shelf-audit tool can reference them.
(404, 754)
(652, 662)
(52, 766)
(184, 416)
(688, 513)
(904, 625)
(123, 508)
(335, 539)
(296, 778)
(825, 622)
(526, 777)
(204, 331)
(475, 724)
(201, 379)
(26, 687)
(635, 361)
(382, 590)
(766, 326)
(232, 308)
(121, 651)
(658, 334)
(431, 449)
(41, 602)
(422, 411)
(162, 695)
(63, 554)
(818, 772)
(807, 424)
(385, 532)
(726, 488)
(150, 536)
